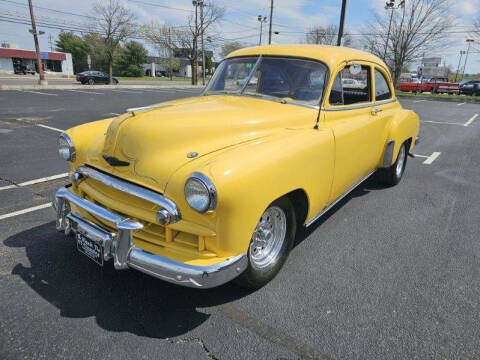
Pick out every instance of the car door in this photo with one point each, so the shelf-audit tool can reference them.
(348, 113)
(384, 109)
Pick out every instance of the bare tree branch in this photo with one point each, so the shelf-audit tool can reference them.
(116, 24)
(415, 29)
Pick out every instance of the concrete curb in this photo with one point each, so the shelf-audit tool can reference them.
(444, 99)
(98, 87)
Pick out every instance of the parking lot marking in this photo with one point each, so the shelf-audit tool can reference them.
(116, 114)
(38, 92)
(50, 128)
(432, 158)
(128, 91)
(87, 92)
(34, 181)
(24, 211)
(470, 120)
(461, 104)
(441, 122)
(417, 101)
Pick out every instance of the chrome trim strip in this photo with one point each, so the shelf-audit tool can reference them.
(135, 110)
(319, 215)
(120, 222)
(125, 255)
(358, 106)
(388, 155)
(135, 190)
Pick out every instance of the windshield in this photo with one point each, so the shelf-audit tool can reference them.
(284, 79)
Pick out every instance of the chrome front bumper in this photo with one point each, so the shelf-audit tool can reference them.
(119, 246)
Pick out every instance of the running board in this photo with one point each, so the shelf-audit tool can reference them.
(338, 199)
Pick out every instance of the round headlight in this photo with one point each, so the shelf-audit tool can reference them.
(66, 150)
(200, 193)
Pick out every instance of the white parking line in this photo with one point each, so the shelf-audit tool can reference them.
(24, 211)
(469, 121)
(461, 104)
(440, 122)
(432, 158)
(417, 101)
(422, 156)
(38, 92)
(35, 181)
(127, 91)
(87, 92)
(50, 128)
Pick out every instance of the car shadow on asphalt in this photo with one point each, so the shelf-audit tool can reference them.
(119, 300)
(362, 189)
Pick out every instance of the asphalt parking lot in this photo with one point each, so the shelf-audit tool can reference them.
(388, 273)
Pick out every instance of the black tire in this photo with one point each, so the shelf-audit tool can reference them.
(254, 277)
(91, 81)
(391, 176)
(115, 81)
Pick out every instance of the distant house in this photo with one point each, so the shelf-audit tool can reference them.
(12, 60)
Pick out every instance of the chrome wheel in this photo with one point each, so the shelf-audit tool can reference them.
(268, 237)
(400, 162)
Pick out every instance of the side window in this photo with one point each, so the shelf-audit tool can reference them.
(351, 86)
(382, 91)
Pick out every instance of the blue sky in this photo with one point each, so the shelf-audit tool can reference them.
(292, 18)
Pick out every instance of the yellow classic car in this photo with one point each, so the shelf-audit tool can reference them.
(207, 189)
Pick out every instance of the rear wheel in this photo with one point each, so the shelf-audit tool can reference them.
(270, 245)
(91, 82)
(391, 176)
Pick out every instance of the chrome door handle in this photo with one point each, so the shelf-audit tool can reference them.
(376, 111)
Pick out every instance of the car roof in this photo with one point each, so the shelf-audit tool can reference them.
(331, 55)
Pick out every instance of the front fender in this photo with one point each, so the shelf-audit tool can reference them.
(251, 176)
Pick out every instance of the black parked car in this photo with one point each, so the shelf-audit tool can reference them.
(94, 77)
(25, 69)
(471, 87)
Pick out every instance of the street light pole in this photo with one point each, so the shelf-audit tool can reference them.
(459, 62)
(342, 21)
(391, 5)
(469, 41)
(261, 19)
(42, 80)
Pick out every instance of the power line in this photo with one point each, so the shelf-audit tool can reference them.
(49, 9)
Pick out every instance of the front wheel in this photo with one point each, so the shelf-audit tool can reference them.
(391, 176)
(115, 82)
(270, 245)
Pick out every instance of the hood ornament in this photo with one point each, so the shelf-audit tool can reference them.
(113, 161)
(192, 154)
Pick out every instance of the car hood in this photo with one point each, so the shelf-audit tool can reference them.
(157, 141)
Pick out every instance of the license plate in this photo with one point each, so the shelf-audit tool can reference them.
(90, 248)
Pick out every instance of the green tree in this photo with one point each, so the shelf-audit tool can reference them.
(229, 47)
(131, 59)
(70, 43)
(95, 47)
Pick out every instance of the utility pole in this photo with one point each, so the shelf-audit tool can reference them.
(342, 21)
(50, 41)
(270, 25)
(201, 3)
(459, 62)
(195, 45)
(262, 19)
(42, 80)
(469, 41)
